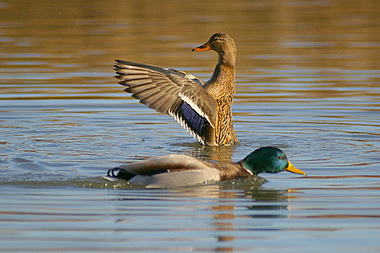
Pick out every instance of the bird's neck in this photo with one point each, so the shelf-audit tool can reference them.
(221, 82)
(227, 58)
(230, 171)
(245, 164)
(224, 71)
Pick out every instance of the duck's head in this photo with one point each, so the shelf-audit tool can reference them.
(223, 44)
(269, 160)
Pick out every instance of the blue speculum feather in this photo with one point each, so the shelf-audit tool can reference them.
(193, 119)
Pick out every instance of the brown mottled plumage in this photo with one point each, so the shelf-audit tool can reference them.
(203, 109)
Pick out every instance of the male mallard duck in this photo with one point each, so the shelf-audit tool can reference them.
(183, 170)
(203, 109)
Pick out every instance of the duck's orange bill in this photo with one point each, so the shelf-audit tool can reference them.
(293, 169)
(204, 47)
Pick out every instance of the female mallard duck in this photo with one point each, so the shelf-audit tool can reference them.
(183, 170)
(203, 109)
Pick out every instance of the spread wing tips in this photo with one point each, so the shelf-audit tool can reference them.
(171, 92)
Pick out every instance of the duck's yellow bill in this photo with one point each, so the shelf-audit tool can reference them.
(202, 48)
(293, 169)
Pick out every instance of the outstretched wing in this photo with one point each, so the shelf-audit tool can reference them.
(170, 92)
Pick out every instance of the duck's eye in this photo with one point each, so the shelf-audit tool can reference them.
(280, 157)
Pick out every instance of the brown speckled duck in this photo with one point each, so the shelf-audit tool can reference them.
(203, 109)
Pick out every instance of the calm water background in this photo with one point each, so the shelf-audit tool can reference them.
(308, 81)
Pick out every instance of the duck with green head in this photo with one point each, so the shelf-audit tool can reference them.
(182, 170)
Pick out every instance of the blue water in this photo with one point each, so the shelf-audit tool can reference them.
(308, 82)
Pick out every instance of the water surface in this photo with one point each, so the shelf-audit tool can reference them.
(308, 82)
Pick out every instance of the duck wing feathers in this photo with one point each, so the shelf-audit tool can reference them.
(171, 92)
(167, 172)
(163, 165)
(189, 166)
